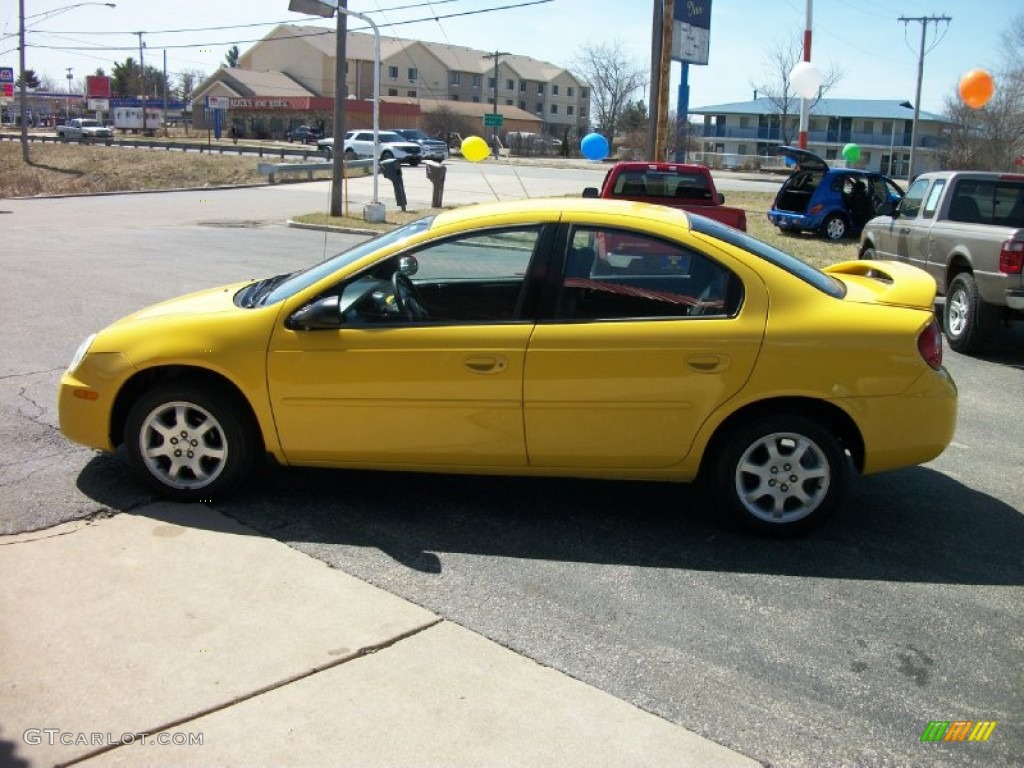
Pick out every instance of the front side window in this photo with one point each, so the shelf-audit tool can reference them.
(911, 204)
(471, 278)
(613, 274)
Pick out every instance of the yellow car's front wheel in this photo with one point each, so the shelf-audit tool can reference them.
(189, 443)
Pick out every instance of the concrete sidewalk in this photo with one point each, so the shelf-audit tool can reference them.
(173, 625)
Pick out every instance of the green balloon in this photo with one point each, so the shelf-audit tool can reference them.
(851, 153)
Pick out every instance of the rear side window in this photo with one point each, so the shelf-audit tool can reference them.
(988, 201)
(933, 198)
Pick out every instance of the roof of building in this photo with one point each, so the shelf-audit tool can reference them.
(878, 109)
(246, 82)
(467, 108)
(456, 58)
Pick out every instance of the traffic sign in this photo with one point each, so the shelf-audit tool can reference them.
(493, 120)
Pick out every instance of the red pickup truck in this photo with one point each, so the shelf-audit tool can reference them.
(678, 185)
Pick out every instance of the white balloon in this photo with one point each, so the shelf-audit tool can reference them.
(805, 79)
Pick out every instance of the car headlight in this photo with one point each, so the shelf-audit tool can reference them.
(81, 352)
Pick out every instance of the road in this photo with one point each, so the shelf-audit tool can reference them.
(835, 649)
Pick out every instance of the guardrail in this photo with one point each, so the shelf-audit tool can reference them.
(183, 146)
(275, 169)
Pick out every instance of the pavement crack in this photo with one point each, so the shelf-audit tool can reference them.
(6, 376)
(357, 654)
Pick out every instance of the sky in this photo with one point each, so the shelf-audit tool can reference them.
(877, 53)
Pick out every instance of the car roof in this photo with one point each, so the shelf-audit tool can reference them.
(539, 209)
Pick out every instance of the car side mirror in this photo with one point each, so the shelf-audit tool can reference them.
(322, 314)
(591, 192)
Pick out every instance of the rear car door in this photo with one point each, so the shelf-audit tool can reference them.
(648, 338)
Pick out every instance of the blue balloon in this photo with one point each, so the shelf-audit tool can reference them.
(594, 146)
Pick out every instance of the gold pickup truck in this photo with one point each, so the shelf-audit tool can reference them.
(966, 228)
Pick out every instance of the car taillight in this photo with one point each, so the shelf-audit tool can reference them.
(1011, 257)
(816, 209)
(929, 344)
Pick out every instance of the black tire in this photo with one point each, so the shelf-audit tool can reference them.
(213, 447)
(868, 254)
(834, 227)
(328, 152)
(780, 475)
(350, 155)
(966, 319)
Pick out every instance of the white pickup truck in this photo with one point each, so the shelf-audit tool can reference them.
(84, 128)
(966, 228)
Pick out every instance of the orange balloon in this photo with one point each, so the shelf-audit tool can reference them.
(976, 88)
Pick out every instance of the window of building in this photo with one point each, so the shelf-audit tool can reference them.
(492, 83)
(392, 91)
(570, 91)
(744, 121)
(584, 93)
(869, 126)
(569, 110)
(476, 99)
(510, 85)
(411, 93)
(413, 74)
(887, 127)
(554, 90)
(477, 79)
(522, 86)
(540, 88)
(554, 109)
(393, 73)
(508, 102)
(540, 108)
(456, 78)
(831, 154)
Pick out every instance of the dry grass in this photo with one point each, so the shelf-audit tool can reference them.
(58, 169)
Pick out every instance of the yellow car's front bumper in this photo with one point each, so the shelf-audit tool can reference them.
(85, 399)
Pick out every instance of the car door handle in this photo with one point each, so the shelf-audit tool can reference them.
(905, 231)
(707, 363)
(485, 364)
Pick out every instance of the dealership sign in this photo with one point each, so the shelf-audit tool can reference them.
(6, 82)
(276, 102)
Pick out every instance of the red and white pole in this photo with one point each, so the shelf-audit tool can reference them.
(804, 111)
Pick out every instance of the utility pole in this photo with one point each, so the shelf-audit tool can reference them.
(494, 131)
(661, 62)
(142, 80)
(70, 77)
(22, 96)
(924, 21)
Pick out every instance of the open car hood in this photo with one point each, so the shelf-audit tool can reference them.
(805, 161)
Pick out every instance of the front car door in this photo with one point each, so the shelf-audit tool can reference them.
(899, 236)
(435, 379)
(648, 338)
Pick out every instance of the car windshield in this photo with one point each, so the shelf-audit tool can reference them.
(302, 280)
(815, 277)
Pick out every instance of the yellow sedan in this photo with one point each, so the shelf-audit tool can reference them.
(570, 337)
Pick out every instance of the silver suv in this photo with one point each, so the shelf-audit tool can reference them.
(359, 144)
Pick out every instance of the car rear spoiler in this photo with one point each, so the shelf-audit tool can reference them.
(886, 282)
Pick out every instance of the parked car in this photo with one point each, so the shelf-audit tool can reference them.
(359, 144)
(832, 202)
(966, 228)
(304, 133)
(506, 338)
(679, 185)
(432, 149)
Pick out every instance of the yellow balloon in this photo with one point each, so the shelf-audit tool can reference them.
(475, 149)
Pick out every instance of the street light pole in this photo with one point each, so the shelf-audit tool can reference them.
(68, 110)
(496, 56)
(22, 89)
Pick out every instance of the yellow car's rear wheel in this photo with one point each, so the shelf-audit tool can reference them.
(189, 443)
(781, 474)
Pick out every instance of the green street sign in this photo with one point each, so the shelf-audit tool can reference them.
(493, 121)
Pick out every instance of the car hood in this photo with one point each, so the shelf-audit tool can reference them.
(892, 283)
(805, 161)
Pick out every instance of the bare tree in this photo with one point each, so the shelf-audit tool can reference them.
(991, 138)
(448, 124)
(779, 62)
(613, 81)
(188, 79)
